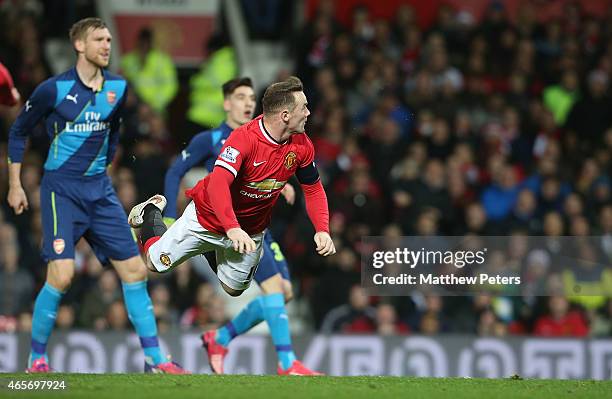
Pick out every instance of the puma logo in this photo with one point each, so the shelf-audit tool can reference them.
(72, 98)
(185, 155)
(256, 164)
(27, 106)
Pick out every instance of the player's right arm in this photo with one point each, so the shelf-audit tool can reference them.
(227, 165)
(199, 149)
(221, 201)
(38, 106)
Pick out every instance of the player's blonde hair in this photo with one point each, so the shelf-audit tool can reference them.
(279, 96)
(79, 30)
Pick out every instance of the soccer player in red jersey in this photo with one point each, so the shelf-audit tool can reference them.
(232, 206)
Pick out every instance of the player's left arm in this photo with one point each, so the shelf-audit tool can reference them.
(316, 202)
(115, 127)
(288, 192)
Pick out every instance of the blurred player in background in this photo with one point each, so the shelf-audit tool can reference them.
(232, 206)
(9, 95)
(82, 111)
(272, 274)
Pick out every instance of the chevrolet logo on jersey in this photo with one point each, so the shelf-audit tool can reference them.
(267, 185)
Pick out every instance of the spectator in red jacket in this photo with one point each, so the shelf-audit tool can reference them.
(561, 321)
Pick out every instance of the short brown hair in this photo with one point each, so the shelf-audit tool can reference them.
(280, 95)
(80, 28)
(231, 85)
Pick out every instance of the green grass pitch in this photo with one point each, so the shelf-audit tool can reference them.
(147, 386)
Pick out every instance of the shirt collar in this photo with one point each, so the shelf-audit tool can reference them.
(267, 135)
(225, 128)
(78, 78)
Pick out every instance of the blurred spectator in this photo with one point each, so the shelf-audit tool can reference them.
(183, 284)
(490, 325)
(165, 314)
(524, 213)
(16, 284)
(355, 317)
(587, 280)
(560, 320)
(217, 316)
(147, 163)
(476, 220)
(267, 19)
(116, 316)
(151, 72)
(206, 97)
(429, 318)
(464, 313)
(65, 317)
(560, 98)
(198, 314)
(601, 323)
(96, 303)
(499, 198)
(589, 117)
(387, 323)
(24, 322)
(334, 284)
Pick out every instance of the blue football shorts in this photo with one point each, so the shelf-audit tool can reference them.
(272, 262)
(86, 206)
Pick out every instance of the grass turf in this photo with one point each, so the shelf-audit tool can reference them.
(147, 386)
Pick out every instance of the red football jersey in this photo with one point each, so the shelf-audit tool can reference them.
(261, 166)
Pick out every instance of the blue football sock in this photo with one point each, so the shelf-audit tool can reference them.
(251, 315)
(140, 312)
(275, 315)
(43, 319)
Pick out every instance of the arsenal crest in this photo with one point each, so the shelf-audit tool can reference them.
(59, 245)
(111, 96)
(290, 160)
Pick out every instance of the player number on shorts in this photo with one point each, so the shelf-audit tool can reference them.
(278, 254)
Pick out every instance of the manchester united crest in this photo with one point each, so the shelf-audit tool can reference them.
(165, 259)
(290, 160)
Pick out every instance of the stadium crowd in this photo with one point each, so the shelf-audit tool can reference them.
(495, 127)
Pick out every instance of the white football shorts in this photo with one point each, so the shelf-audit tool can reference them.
(187, 238)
